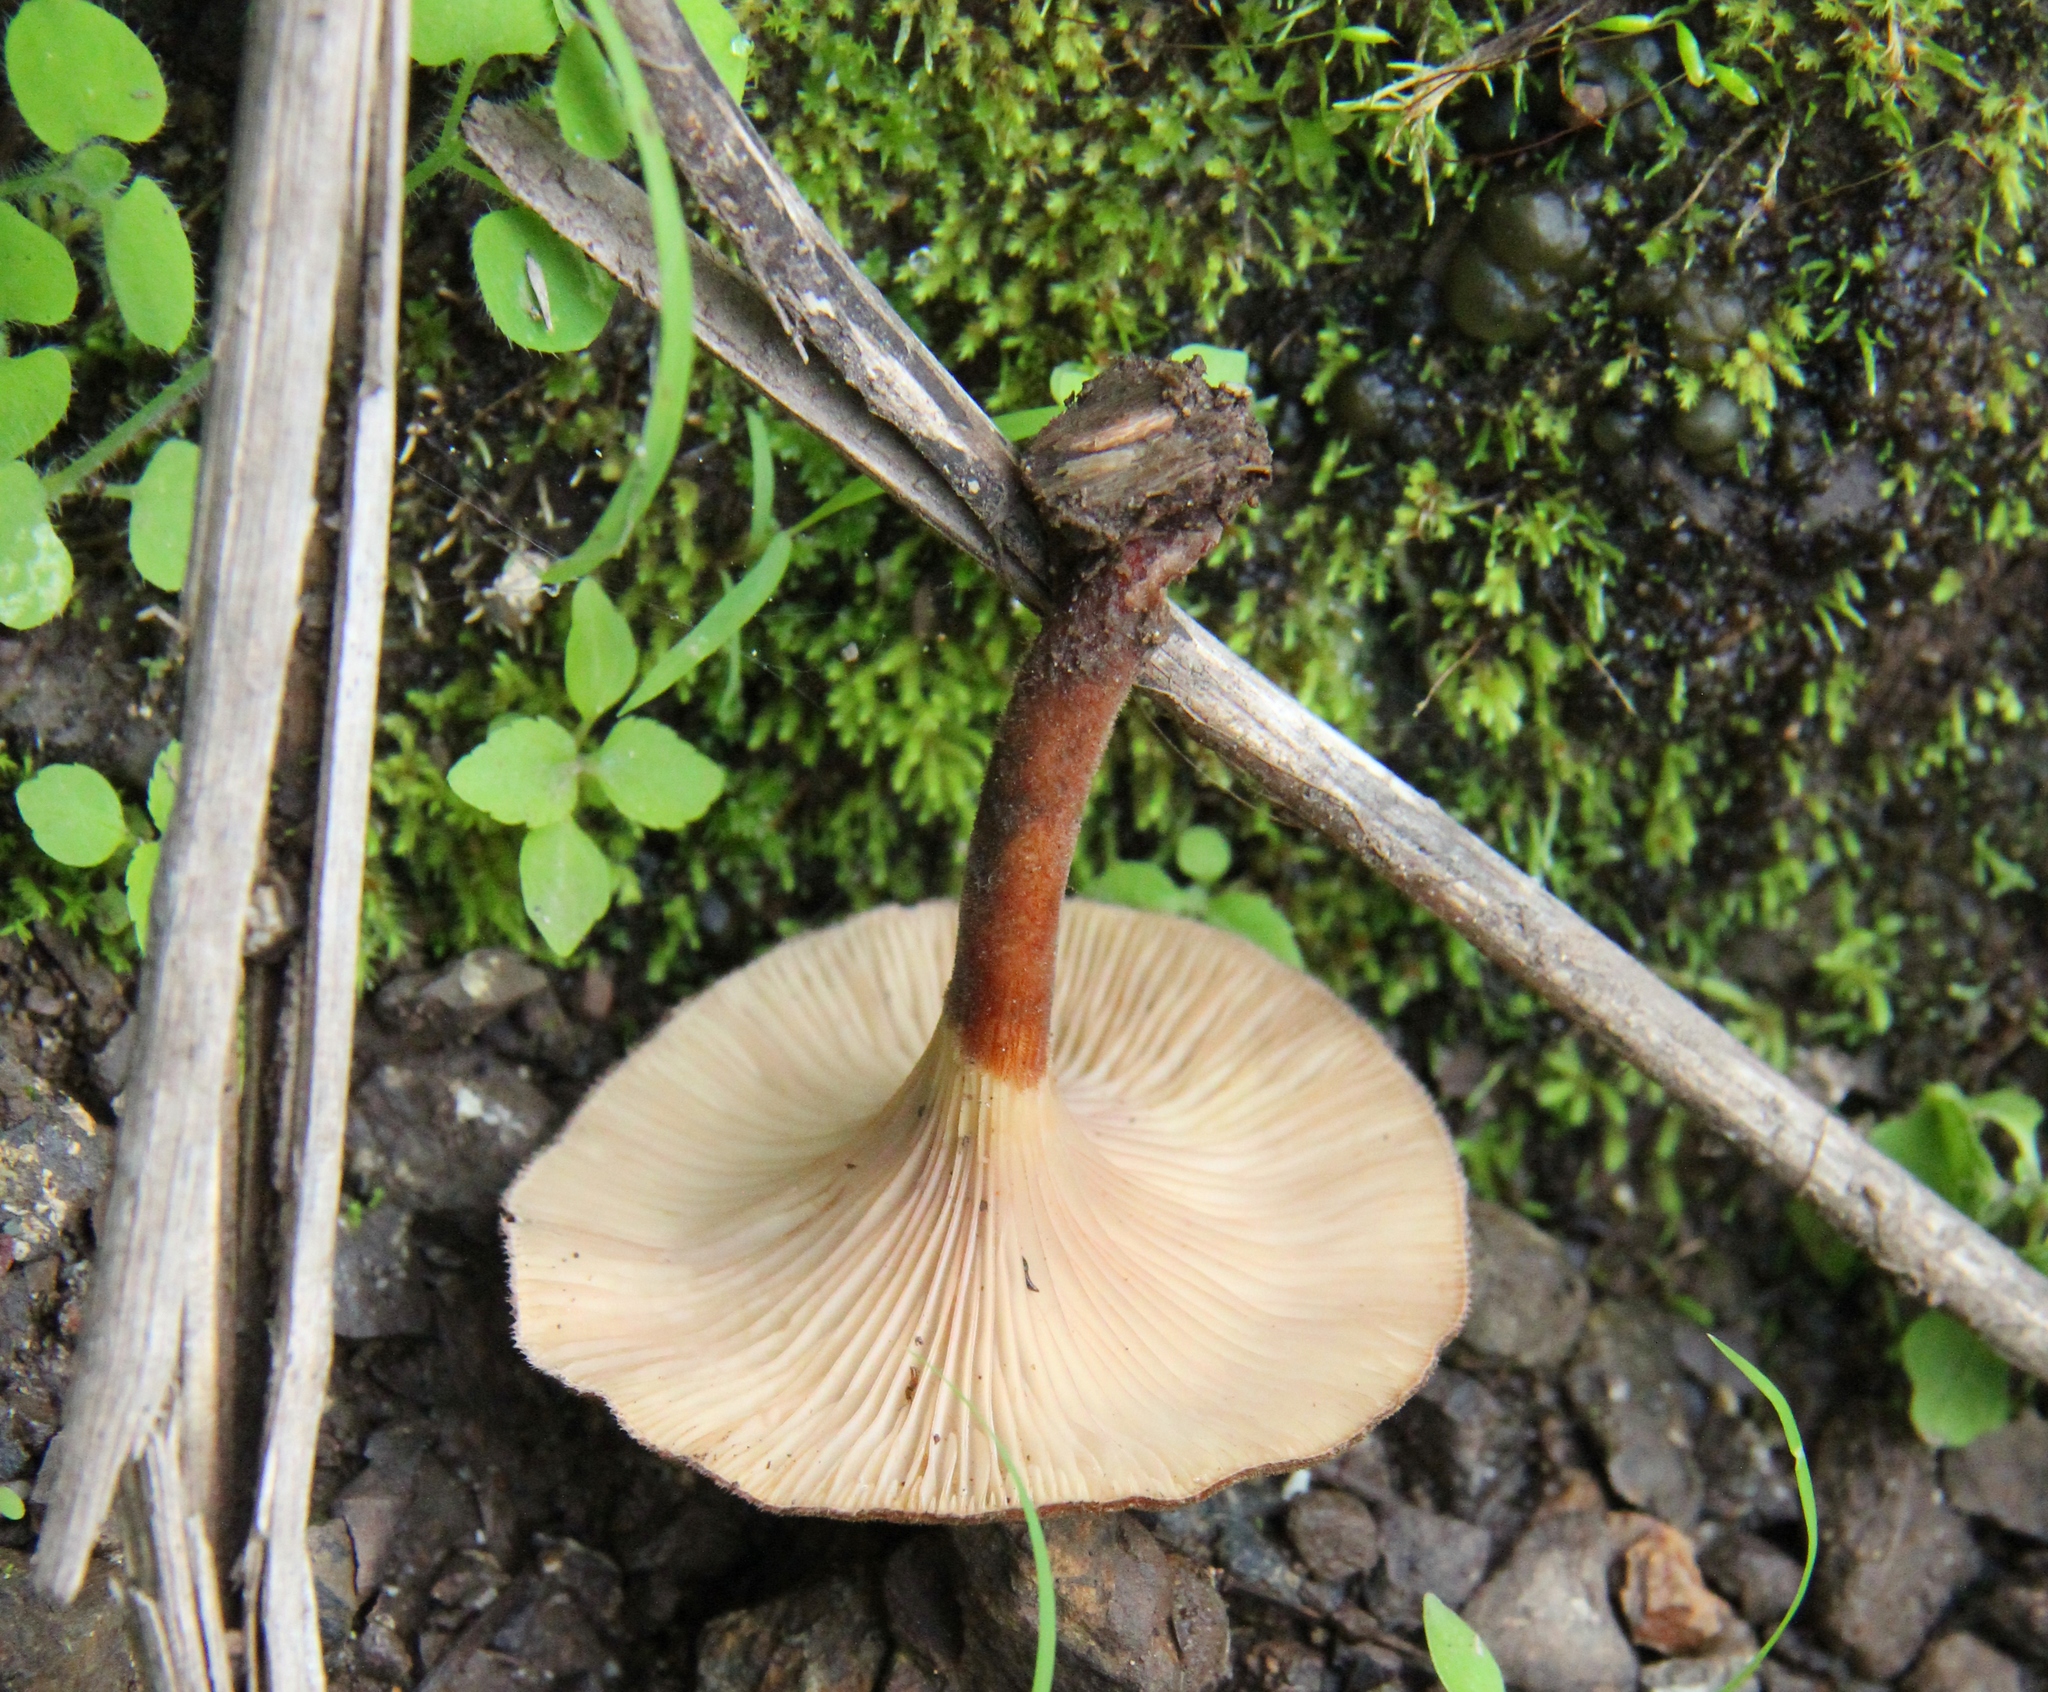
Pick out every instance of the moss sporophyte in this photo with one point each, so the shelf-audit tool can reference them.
(1117, 1203)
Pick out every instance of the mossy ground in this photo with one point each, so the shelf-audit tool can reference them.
(1777, 725)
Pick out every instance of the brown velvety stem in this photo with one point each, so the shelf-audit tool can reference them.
(1070, 687)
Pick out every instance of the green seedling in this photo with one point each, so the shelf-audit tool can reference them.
(75, 72)
(1464, 1664)
(12, 1506)
(1041, 1558)
(160, 511)
(1203, 856)
(75, 817)
(529, 774)
(540, 291)
(1961, 1388)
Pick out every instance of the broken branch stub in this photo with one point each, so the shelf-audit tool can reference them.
(1312, 770)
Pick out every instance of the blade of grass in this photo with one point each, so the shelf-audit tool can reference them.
(735, 608)
(661, 431)
(1803, 1476)
(1041, 1558)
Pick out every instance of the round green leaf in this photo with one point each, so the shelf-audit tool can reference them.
(1203, 855)
(655, 776)
(1961, 1387)
(77, 71)
(149, 262)
(35, 568)
(1225, 367)
(37, 283)
(12, 1509)
(1142, 886)
(163, 783)
(540, 291)
(725, 44)
(586, 103)
(599, 664)
(73, 812)
(160, 514)
(444, 32)
(566, 882)
(35, 392)
(1259, 920)
(94, 172)
(525, 772)
(139, 884)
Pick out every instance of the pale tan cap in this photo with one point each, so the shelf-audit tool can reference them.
(1226, 1235)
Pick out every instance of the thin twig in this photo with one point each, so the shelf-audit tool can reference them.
(265, 418)
(284, 1635)
(1308, 767)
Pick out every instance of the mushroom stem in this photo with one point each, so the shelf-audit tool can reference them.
(1070, 687)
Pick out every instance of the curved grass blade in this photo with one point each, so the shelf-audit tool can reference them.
(735, 609)
(1041, 1558)
(1804, 1477)
(661, 431)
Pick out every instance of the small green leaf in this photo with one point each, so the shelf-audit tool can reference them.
(601, 658)
(1069, 379)
(525, 772)
(77, 72)
(446, 31)
(160, 515)
(12, 1509)
(2020, 1117)
(1940, 1144)
(35, 392)
(37, 282)
(1829, 1250)
(1140, 885)
(1961, 1387)
(586, 99)
(565, 309)
(92, 173)
(1734, 84)
(1259, 920)
(735, 608)
(1689, 55)
(35, 568)
(73, 812)
(566, 882)
(655, 776)
(1203, 855)
(140, 884)
(149, 263)
(163, 783)
(725, 44)
(1225, 367)
(1459, 1656)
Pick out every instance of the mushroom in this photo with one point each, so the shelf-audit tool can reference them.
(1171, 1216)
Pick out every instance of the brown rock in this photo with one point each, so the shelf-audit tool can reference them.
(825, 1638)
(1546, 1614)
(1961, 1662)
(1892, 1552)
(1134, 1616)
(1528, 1301)
(2003, 1475)
(1664, 1600)
(1334, 1534)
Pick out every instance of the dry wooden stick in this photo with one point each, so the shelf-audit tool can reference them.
(283, 1634)
(265, 416)
(1314, 771)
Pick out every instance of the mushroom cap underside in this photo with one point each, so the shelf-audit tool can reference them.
(1225, 1235)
